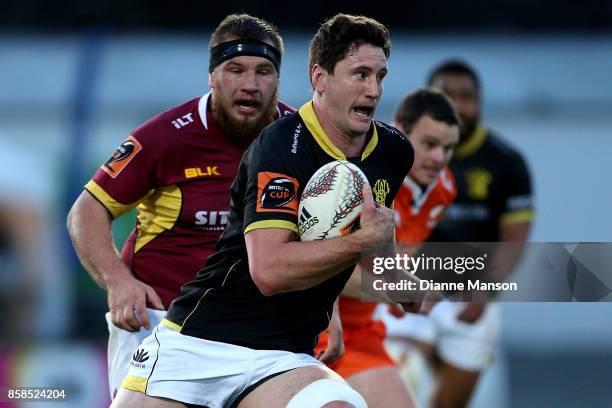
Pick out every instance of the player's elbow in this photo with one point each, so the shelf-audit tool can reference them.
(264, 278)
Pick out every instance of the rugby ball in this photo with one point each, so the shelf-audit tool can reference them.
(331, 201)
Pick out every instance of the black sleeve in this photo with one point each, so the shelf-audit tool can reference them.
(517, 201)
(271, 197)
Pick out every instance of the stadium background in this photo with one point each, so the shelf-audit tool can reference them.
(76, 77)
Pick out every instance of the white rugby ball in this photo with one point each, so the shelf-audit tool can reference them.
(331, 201)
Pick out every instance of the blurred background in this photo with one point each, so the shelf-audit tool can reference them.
(77, 77)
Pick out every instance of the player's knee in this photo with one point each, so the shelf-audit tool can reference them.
(326, 393)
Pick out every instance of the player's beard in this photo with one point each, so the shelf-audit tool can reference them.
(247, 130)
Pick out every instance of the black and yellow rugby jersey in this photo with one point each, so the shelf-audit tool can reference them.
(223, 303)
(493, 187)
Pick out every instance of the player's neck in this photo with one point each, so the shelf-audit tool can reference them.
(350, 145)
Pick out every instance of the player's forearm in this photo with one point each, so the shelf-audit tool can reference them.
(354, 287)
(89, 226)
(291, 266)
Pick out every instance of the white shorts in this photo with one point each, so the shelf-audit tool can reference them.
(203, 372)
(463, 345)
(121, 347)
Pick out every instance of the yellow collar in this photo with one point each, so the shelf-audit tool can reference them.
(309, 117)
(472, 143)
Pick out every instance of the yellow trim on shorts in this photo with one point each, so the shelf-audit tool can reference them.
(271, 224)
(525, 215)
(137, 384)
(308, 115)
(113, 206)
(172, 325)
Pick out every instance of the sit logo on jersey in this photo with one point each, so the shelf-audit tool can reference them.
(122, 156)
(211, 220)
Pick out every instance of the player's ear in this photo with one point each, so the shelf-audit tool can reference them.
(210, 80)
(318, 77)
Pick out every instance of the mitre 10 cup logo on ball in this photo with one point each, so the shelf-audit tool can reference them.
(331, 201)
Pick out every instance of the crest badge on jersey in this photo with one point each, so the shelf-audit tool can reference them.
(122, 156)
(478, 181)
(276, 193)
(381, 189)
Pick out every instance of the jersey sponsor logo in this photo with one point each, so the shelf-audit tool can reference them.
(211, 220)
(296, 136)
(183, 121)
(139, 357)
(381, 189)
(307, 221)
(478, 181)
(468, 212)
(204, 171)
(122, 156)
(276, 193)
(519, 202)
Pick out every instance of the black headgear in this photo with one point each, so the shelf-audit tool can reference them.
(235, 48)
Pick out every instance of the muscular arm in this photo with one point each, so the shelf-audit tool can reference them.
(89, 225)
(278, 263)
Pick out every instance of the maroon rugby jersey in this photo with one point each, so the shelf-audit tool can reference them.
(176, 169)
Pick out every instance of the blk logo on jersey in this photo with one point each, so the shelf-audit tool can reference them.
(122, 156)
(204, 171)
(211, 220)
(276, 193)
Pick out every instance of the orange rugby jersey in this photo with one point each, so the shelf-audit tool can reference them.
(417, 213)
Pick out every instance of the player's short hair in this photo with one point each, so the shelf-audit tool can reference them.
(425, 102)
(454, 66)
(246, 27)
(343, 33)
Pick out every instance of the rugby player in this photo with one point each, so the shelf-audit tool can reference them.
(243, 332)
(493, 204)
(432, 125)
(176, 169)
